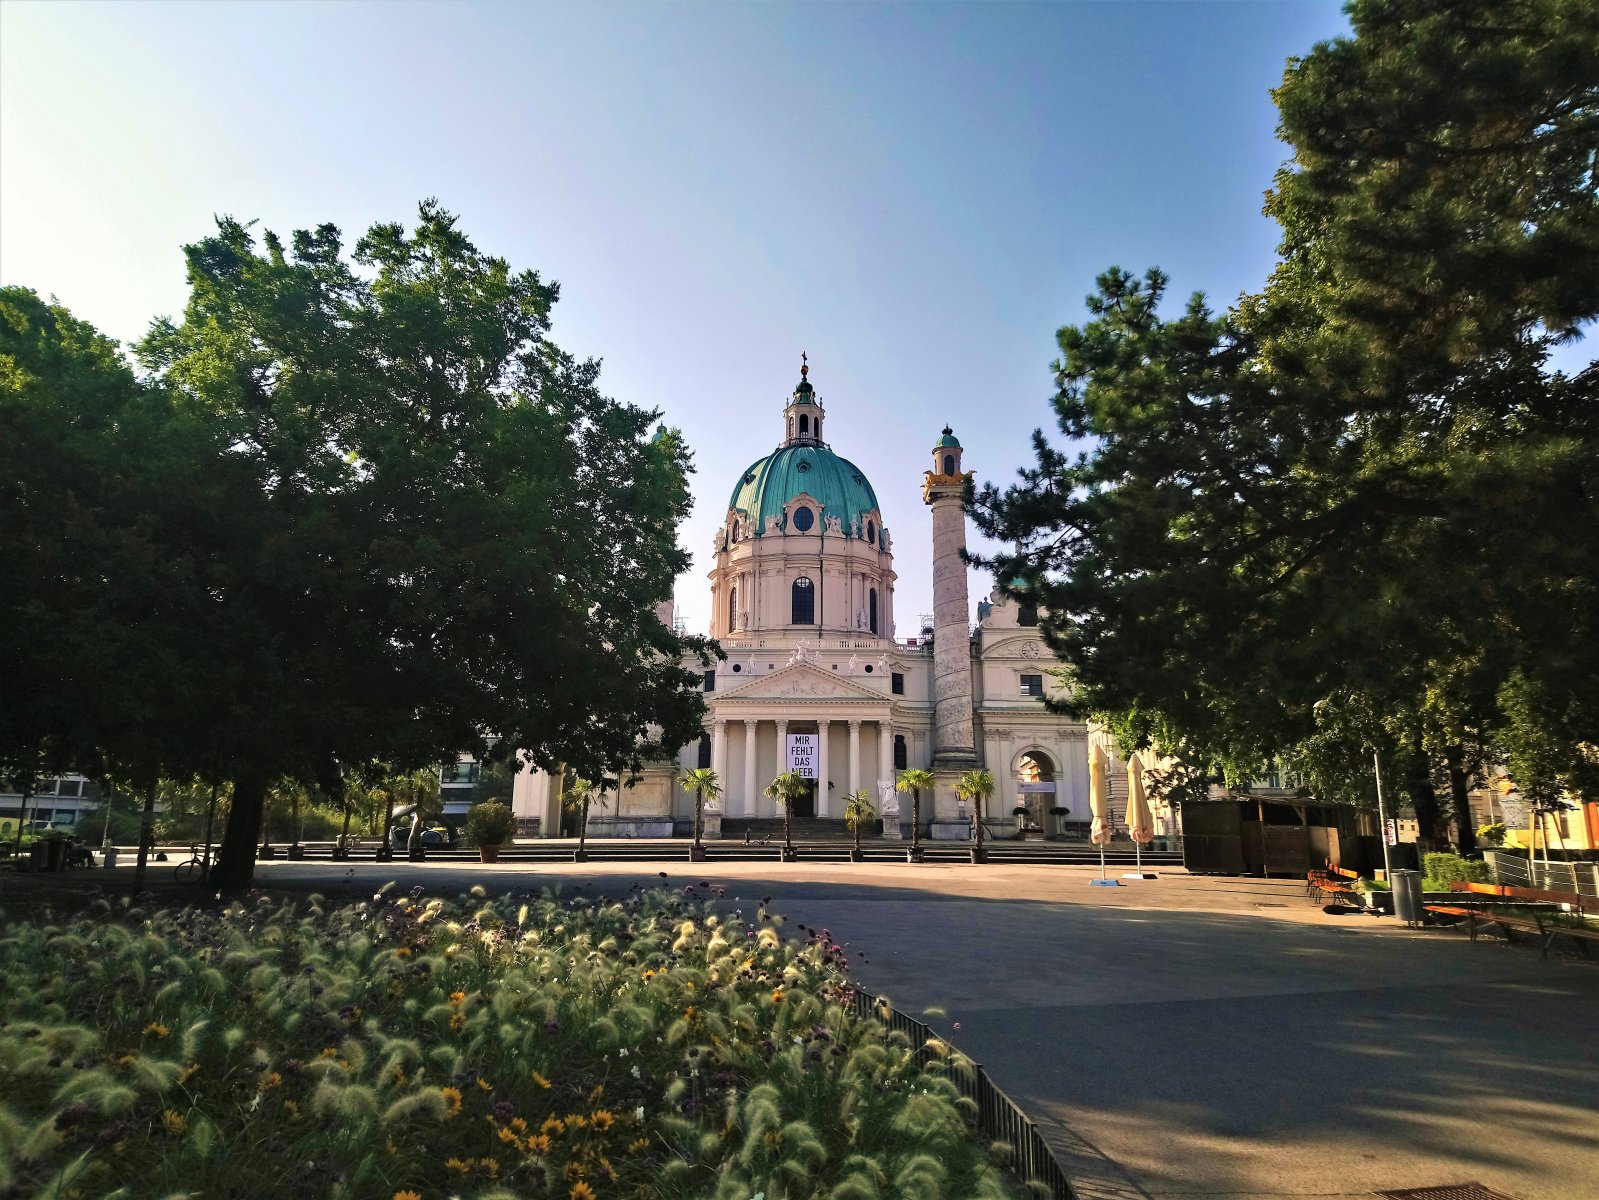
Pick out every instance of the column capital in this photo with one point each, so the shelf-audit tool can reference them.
(855, 722)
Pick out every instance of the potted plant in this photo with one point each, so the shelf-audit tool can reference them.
(858, 809)
(913, 781)
(702, 782)
(786, 789)
(1020, 813)
(977, 786)
(1059, 812)
(489, 826)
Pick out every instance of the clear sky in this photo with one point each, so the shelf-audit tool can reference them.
(916, 194)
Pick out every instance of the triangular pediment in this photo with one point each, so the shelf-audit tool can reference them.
(802, 681)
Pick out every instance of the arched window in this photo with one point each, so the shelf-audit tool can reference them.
(732, 609)
(949, 464)
(1027, 614)
(735, 532)
(901, 757)
(805, 424)
(871, 611)
(802, 603)
(804, 519)
(871, 534)
(704, 759)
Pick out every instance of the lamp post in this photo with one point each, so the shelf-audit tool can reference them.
(1382, 818)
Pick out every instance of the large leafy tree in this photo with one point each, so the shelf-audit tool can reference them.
(1339, 515)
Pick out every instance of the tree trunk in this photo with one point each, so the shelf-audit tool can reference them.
(146, 836)
(385, 842)
(699, 817)
(236, 859)
(916, 822)
(1423, 796)
(22, 814)
(978, 801)
(1459, 792)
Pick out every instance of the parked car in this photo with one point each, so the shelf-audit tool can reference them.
(433, 835)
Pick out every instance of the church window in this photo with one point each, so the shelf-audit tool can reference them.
(1027, 614)
(732, 609)
(737, 667)
(802, 602)
(871, 610)
(735, 532)
(871, 538)
(710, 681)
(868, 668)
(896, 683)
(902, 757)
(704, 758)
(804, 519)
(949, 464)
(1032, 685)
(805, 424)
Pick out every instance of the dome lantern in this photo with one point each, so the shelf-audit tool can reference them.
(802, 415)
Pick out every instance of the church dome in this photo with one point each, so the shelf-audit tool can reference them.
(765, 489)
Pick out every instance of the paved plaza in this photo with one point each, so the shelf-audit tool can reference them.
(1196, 1036)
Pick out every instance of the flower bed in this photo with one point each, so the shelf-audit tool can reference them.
(411, 1048)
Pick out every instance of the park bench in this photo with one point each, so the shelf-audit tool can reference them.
(1544, 914)
(1331, 883)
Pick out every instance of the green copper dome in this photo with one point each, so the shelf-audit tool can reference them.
(948, 440)
(771, 482)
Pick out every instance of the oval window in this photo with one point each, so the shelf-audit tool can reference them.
(804, 519)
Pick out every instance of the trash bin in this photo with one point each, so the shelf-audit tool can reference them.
(1407, 896)
(38, 856)
(56, 859)
(109, 856)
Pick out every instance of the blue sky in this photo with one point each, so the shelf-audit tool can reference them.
(918, 195)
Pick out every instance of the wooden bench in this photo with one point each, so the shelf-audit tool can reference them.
(1544, 914)
(1334, 883)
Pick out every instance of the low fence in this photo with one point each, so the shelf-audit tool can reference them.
(1513, 870)
(998, 1116)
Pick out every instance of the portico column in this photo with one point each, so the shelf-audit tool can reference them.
(885, 755)
(854, 754)
(719, 747)
(821, 769)
(782, 752)
(747, 803)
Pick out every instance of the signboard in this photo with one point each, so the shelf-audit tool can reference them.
(1036, 787)
(802, 750)
(1391, 832)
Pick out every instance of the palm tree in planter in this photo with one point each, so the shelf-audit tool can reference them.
(913, 782)
(786, 789)
(858, 809)
(977, 786)
(702, 781)
(581, 793)
(489, 826)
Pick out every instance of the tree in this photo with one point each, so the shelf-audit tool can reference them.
(702, 781)
(787, 788)
(437, 514)
(913, 781)
(858, 809)
(1363, 485)
(579, 795)
(976, 786)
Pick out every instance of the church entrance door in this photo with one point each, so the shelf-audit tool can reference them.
(805, 805)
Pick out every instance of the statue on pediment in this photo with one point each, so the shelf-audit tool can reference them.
(833, 523)
(855, 527)
(774, 524)
(883, 541)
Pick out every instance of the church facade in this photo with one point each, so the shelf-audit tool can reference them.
(802, 585)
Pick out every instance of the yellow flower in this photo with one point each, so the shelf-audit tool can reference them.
(518, 1124)
(403, 952)
(457, 1021)
(489, 1167)
(457, 997)
(270, 1082)
(292, 1108)
(188, 1073)
(638, 1145)
(540, 1080)
(553, 1125)
(777, 996)
(602, 1120)
(173, 1121)
(453, 1095)
(576, 1120)
(329, 1052)
(156, 1029)
(508, 1135)
(581, 1191)
(599, 1090)
(127, 1060)
(463, 1165)
(398, 1078)
(484, 1084)
(407, 1196)
(539, 1143)
(648, 975)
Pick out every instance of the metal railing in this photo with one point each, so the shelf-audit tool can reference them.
(997, 1115)
(1511, 870)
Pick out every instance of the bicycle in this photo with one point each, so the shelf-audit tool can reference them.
(194, 869)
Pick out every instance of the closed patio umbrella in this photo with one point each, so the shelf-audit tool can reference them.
(1099, 804)
(1140, 824)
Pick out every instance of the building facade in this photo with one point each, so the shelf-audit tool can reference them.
(802, 576)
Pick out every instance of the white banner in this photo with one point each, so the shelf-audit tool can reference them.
(802, 749)
(1036, 787)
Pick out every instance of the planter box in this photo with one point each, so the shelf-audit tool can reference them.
(636, 827)
(950, 831)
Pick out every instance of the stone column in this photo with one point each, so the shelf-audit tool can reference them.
(854, 754)
(719, 747)
(954, 747)
(821, 769)
(747, 801)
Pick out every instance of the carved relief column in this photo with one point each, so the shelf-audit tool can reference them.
(782, 755)
(821, 768)
(747, 801)
(854, 754)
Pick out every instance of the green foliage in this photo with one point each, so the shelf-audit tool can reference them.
(1493, 834)
(476, 1047)
(858, 808)
(1362, 489)
(490, 823)
(1440, 870)
(703, 782)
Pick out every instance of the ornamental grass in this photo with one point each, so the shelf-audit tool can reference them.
(413, 1047)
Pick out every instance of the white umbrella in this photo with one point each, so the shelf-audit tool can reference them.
(1099, 804)
(1140, 824)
